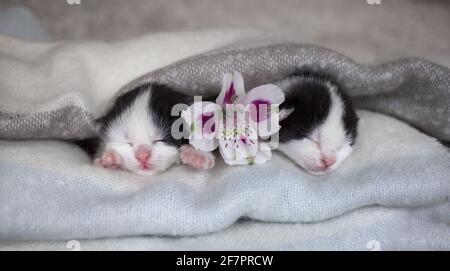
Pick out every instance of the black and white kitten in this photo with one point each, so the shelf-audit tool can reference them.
(317, 132)
(135, 134)
(321, 129)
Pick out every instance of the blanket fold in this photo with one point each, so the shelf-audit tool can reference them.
(413, 90)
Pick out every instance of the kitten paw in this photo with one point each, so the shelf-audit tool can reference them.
(110, 159)
(196, 158)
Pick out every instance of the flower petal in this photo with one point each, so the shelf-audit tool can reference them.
(246, 147)
(240, 140)
(262, 105)
(204, 144)
(264, 153)
(227, 150)
(232, 88)
(268, 126)
(202, 118)
(265, 94)
(230, 156)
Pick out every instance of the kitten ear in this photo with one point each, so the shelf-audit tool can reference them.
(284, 113)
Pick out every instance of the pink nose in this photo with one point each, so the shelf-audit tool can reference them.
(142, 154)
(328, 159)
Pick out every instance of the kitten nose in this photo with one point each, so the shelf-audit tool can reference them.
(328, 159)
(142, 154)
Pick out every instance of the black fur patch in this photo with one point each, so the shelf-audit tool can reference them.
(162, 100)
(309, 95)
(89, 145)
(121, 104)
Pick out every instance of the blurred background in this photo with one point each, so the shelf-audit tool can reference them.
(367, 33)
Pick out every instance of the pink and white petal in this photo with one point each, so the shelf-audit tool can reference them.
(230, 157)
(227, 149)
(232, 88)
(264, 153)
(245, 152)
(238, 162)
(198, 116)
(234, 155)
(204, 144)
(268, 93)
(197, 109)
(201, 118)
(262, 102)
(246, 147)
(269, 126)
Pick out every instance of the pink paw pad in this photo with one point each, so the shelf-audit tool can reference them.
(109, 159)
(196, 158)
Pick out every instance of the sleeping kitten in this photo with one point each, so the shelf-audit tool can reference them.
(321, 128)
(136, 133)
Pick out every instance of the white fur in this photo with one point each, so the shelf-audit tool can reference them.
(134, 128)
(328, 137)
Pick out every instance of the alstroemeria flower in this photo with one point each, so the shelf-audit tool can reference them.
(236, 121)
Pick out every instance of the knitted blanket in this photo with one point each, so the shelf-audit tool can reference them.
(50, 190)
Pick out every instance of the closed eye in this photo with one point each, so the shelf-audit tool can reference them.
(315, 137)
(127, 142)
(163, 139)
(313, 140)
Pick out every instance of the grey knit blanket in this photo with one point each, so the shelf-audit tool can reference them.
(413, 90)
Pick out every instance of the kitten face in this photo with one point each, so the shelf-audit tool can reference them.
(321, 152)
(318, 135)
(134, 138)
(146, 159)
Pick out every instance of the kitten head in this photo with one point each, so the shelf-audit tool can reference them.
(319, 133)
(138, 134)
